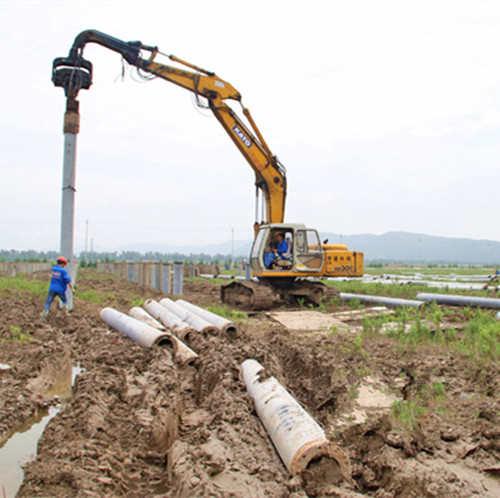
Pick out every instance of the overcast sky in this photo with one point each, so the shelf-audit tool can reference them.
(386, 116)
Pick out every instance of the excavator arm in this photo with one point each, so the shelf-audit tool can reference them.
(75, 73)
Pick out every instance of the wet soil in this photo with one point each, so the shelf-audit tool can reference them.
(140, 424)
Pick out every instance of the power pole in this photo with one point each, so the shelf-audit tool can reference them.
(232, 247)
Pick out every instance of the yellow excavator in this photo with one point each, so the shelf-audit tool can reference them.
(283, 255)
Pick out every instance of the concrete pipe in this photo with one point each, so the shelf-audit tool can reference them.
(200, 324)
(184, 354)
(479, 302)
(224, 325)
(143, 316)
(296, 436)
(387, 301)
(181, 329)
(138, 331)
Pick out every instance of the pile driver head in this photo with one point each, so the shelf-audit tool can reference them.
(72, 74)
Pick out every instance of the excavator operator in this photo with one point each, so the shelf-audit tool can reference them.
(277, 253)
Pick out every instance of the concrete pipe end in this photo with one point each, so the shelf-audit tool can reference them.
(186, 335)
(183, 360)
(210, 331)
(321, 453)
(166, 341)
(231, 330)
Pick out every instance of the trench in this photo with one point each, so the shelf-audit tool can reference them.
(21, 447)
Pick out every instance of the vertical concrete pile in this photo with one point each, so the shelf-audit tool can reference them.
(297, 437)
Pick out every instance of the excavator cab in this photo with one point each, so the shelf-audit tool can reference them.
(286, 250)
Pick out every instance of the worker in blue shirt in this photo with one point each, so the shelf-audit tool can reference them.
(59, 282)
(271, 257)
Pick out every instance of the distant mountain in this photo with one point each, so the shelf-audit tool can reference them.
(390, 247)
(405, 247)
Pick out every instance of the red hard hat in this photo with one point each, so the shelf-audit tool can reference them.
(62, 260)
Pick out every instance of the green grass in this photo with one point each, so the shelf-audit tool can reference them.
(91, 296)
(481, 338)
(225, 312)
(407, 413)
(23, 285)
(18, 335)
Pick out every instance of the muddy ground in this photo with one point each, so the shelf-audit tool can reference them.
(139, 424)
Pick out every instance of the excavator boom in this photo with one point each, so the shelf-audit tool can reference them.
(270, 175)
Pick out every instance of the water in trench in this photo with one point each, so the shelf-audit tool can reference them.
(21, 447)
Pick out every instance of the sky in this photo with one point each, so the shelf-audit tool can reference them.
(386, 115)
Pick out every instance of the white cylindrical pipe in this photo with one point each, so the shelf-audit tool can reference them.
(223, 324)
(480, 302)
(387, 301)
(180, 328)
(142, 315)
(296, 436)
(200, 324)
(138, 331)
(184, 354)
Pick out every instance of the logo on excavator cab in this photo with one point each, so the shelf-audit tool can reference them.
(242, 136)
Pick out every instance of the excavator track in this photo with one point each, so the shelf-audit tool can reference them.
(309, 292)
(253, 296)
(258, 296)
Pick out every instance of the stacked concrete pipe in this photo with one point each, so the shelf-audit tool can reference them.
(141, 314)
(224, 325)
(173, 322)
(138, 331)
(296, 436)
(148, 336)
(200, 324)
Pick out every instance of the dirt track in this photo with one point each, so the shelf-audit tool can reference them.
(138, 424)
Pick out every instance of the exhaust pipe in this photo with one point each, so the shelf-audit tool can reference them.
(224, 325)
(296, 436)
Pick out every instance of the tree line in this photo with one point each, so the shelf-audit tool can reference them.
(91, 258)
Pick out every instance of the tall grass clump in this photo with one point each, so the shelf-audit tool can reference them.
(407, 413)
(481, 338)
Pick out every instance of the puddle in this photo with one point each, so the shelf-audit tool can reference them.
(21, 447)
